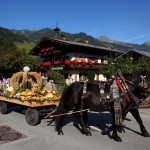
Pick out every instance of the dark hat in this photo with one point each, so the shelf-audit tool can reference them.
(50, 78)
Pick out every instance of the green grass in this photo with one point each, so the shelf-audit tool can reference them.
(26, 45)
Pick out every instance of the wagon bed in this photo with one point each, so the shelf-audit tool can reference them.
(29, 103)
(32, 108)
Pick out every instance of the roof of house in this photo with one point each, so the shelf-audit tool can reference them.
(36, 49)
(144, 53)
(44, 41)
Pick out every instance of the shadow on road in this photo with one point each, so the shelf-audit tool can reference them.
(99, 120)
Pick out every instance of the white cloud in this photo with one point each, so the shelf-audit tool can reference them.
(141, 38)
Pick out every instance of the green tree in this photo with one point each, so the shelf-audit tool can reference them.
(125, 64)
(58, 79)
(14, 60)
(143, 64)
(90, 75)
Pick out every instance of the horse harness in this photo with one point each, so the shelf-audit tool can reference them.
(122, 86)
(83, 93)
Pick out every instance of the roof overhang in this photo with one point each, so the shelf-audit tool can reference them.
(44, 42)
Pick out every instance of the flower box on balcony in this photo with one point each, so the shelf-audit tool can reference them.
(84, 62)
(47, 50)
(47, 64)
(67, 62)
(57, 62)
(74, 62)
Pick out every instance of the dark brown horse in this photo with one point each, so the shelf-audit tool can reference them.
(78, 96)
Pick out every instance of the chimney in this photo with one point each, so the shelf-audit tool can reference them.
(63, 37)
(86, 42)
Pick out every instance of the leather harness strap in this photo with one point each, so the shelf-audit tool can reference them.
(123, 90)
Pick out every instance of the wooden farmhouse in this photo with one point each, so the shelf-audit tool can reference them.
(136, 54)
(72, 58)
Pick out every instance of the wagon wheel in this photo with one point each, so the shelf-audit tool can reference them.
(32, 116)
(3, 107)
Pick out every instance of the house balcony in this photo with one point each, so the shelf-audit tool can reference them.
(67, 64)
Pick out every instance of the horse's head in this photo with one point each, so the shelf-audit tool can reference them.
(139, 84)
(144, 81)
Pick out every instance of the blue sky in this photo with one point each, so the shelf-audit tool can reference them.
(122, 20)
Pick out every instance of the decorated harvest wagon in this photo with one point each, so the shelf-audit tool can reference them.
(34, 100)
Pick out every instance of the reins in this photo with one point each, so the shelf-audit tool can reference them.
(70, 113)
(63, 114)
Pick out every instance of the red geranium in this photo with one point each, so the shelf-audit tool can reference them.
(57, 62)
(43, 50)
(49, 49)
(67, 62)
(91, 64)
(46, 64)
(39, 64)
(83, 62)
(74, 62)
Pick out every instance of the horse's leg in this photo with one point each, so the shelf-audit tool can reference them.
(58, 124)
(60, 115)
(121, 128)
(83, 123)
(85, 119)
(114, 129)
(136, 115)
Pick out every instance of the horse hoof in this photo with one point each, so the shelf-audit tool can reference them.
(87, 126)
(146, 134)
(121, 130)
(60, 133)
(88, 133)
(104, 132)
(117, 138)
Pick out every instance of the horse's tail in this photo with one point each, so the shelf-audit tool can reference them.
(62, 108)
(61, 105)
(67, 101)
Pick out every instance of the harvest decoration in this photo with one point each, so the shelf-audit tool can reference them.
(36, 93)
(43, 96)
(22, 76)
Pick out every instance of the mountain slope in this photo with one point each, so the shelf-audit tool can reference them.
(36, 35)
(8, 35)
(127, 46)
(9, 40)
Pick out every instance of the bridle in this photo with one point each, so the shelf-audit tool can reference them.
(143, 82)
(142, 85)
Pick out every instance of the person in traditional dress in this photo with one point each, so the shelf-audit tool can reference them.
(69, 80)
(50, 85)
